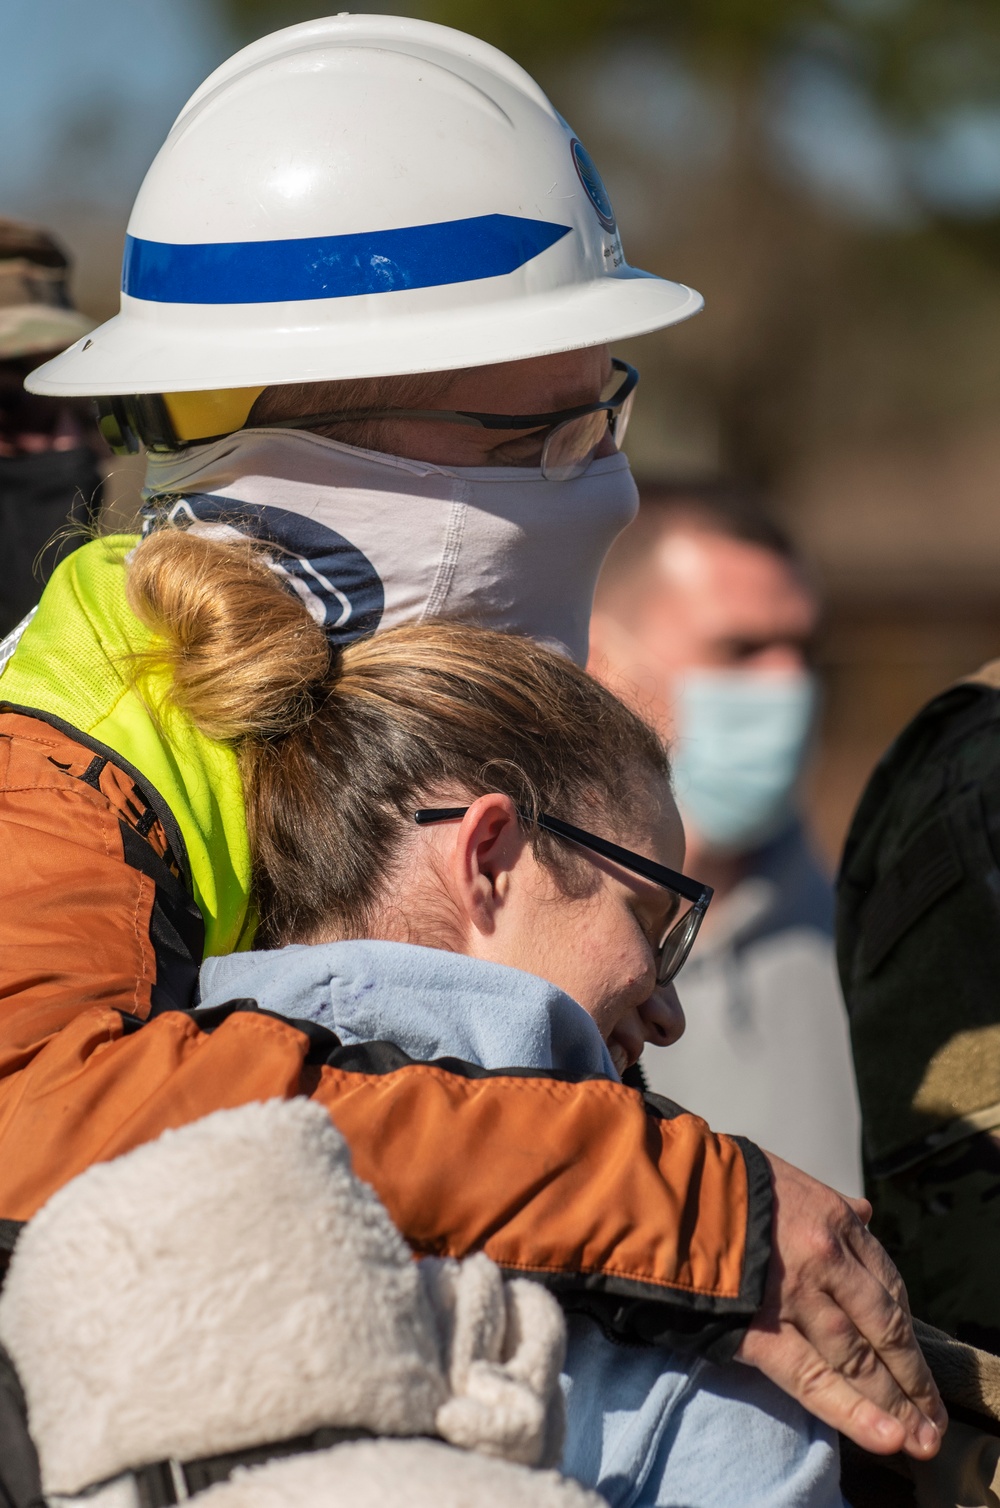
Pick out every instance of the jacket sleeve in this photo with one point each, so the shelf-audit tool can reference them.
(631, 1210)
(644, 1218)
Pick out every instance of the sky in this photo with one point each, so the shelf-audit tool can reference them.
(91, 88)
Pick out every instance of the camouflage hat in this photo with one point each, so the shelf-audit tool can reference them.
(36, 314)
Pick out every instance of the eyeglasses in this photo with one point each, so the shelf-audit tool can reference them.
(567, 448)
(677, 939)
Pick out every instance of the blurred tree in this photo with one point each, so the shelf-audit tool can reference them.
(835, 182)
(920, 55)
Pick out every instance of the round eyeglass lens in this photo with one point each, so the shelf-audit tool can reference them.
(676, 946)
(569, 448)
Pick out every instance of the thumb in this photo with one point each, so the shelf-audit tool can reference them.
(861, 1208)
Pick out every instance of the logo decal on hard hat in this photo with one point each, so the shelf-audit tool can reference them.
(336, 582)
(378, 261)
(593, 184)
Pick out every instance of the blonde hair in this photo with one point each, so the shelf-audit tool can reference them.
(338, 747)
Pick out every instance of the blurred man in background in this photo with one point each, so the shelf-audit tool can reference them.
(48, 468)
(703, 619)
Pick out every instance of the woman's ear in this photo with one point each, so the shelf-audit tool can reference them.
(488, 845)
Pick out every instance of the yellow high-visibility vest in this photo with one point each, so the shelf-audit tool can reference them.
(75, 662)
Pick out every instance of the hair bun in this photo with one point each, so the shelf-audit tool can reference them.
(242, 653)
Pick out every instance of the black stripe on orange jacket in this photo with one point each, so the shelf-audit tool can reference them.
(629, 1208)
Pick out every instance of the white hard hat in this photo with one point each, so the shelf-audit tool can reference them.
(362, 196)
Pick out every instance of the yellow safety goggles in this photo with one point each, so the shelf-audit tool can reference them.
(169, 421)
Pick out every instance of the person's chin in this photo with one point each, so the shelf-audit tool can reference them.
(620, 1056)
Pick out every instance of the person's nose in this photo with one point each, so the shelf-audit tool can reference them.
(662, 1017)
(783, 656)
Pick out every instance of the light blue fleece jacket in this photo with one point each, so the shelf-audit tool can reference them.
(647, 1427)
(430, 1003)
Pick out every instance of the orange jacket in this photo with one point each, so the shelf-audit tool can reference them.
(635, 1209)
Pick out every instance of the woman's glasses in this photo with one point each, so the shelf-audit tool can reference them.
(566, 448)
(677, 939)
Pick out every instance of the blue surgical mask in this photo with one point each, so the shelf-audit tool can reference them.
(740, 743)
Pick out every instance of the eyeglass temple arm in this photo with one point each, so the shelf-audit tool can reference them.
(462, 416)
(300, 421)
(691, 890)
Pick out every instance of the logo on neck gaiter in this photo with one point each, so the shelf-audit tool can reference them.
(337, 583)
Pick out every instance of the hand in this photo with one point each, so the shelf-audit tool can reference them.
(834, 1330)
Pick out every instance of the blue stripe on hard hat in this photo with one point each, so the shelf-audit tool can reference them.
(377, 261)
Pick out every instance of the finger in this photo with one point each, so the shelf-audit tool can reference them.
(861, 1208)
(848, 1353)
(874, 1340)
(872, 1255)
(873, 1297)
(795, 1366)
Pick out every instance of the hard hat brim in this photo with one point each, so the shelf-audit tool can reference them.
(147, 349)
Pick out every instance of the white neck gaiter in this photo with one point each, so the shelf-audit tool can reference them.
(370, 541)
